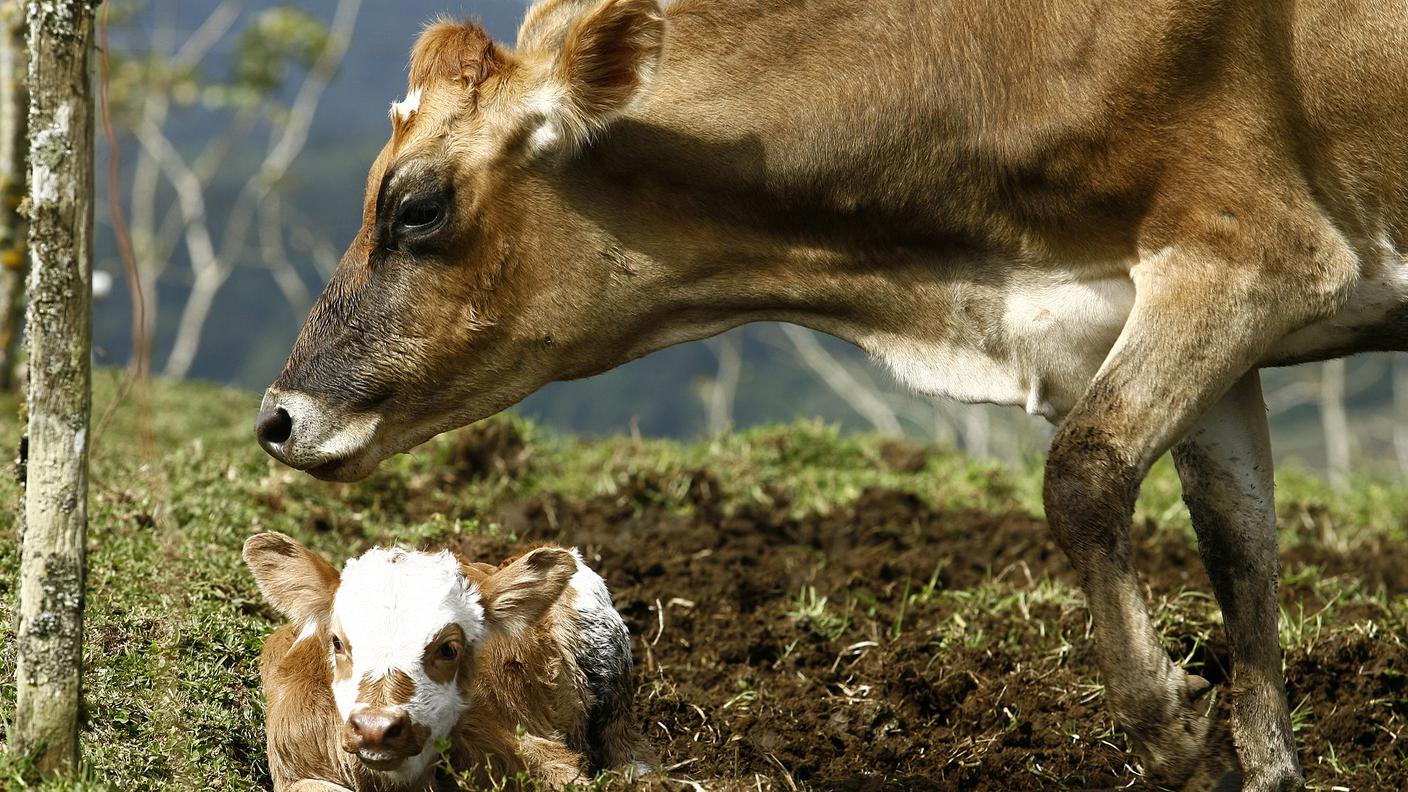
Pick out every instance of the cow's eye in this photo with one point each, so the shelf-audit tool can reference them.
(421, 215)
(448, 651)
(337, 645)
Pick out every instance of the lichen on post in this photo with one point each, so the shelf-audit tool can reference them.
(59, 335)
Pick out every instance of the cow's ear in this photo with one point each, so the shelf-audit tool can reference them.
(608, 58)
(546, 23)
(295, 580)
(519, 595)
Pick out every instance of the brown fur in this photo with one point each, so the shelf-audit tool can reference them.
(900, 175)
(393, 689)
(454, 52)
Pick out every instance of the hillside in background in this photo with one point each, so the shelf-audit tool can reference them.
(683, 392)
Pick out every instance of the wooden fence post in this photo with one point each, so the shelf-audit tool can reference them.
(59, 332)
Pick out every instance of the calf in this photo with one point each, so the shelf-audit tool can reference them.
(523, 668)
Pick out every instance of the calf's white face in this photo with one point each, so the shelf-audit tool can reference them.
(403, 629)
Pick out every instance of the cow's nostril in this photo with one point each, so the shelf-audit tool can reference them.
(275, 426)
(392, 731)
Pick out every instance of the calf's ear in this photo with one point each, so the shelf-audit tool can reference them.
(519, 595)
(295, 580)
(608, 58)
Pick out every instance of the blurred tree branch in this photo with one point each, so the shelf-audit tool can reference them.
(722, 390)
(171, 188)
(863, 398)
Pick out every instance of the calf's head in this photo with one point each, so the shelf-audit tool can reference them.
(479, 273)
(402, 631)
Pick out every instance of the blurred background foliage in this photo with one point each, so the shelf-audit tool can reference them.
(242, 190)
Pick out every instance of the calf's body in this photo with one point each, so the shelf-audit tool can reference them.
(1109, 213)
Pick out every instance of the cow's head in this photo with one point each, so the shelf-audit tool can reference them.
(480, 272)
(402, 631)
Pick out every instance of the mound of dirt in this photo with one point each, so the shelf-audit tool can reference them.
(746, 674)
(486, 449)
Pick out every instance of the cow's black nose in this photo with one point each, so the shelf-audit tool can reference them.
(273, 426)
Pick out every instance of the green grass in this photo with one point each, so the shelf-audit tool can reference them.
(174, 623)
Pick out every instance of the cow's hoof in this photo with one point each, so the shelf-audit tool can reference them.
(1231, 781)
(1186, 750)
(1273, 781)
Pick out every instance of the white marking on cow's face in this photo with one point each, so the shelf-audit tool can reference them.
(323, 434)
(404, 109)
(390, 605)
(354, 435)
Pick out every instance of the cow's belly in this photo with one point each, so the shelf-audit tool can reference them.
(1051, 331)
(1038, 347)
(1375, 318)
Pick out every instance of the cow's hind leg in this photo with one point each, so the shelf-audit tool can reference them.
(1200, 321)
(1225, 465)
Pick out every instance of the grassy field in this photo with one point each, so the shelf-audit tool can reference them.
(914, 568)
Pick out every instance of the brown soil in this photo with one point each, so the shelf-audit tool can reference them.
(736, 690)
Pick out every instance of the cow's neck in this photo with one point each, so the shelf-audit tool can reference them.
(736, 212)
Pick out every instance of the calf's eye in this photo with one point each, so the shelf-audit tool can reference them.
(448, 651)
(337, 645)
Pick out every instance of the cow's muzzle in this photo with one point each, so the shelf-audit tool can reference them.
(303, 432)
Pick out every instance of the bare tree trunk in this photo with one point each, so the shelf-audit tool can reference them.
(1334, 420)
(843, 383)
(55, 519)
(977, 431)
(941, 423)
(275, 255)
(14, 148)
(1400, 410)
(724, 388)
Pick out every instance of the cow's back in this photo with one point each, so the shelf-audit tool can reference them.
(1347, 74)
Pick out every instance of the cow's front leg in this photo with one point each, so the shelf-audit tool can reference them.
(1226, 469)
(1204, 314)
(1092, 477)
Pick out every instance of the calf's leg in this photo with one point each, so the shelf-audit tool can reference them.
(1226, 469)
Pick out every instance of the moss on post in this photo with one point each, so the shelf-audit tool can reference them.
(59, 332)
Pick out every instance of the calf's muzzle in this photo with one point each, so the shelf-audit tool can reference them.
(381, 738)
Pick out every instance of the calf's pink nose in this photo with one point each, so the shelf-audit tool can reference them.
(381, 730)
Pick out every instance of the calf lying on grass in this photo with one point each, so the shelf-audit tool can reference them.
(520, 669)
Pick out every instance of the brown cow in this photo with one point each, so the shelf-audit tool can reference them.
(1110, 212)
(524, 668)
